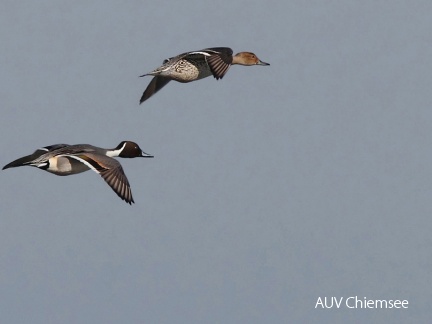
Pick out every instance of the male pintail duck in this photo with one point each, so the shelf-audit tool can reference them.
(192, 66)
(64, 159)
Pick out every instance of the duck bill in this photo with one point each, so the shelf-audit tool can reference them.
(262, 63)
(146, 155)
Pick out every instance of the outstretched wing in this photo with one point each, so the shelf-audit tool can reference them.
(154, 86)
(110, 170)
(219, 60)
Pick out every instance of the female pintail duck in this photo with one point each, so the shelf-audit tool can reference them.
(192, 66)
(64, 159)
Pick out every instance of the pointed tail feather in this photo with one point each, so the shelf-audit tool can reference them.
(26, 160)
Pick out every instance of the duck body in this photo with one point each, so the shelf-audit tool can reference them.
(196, 65)
(184, 68)
(64, 160)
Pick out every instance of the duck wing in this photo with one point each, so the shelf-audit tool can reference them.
(154, 86)
(110, 170)
(219, 60)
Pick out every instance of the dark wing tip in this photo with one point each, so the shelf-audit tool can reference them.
(130, 201)
(154, 86)
(119, 183)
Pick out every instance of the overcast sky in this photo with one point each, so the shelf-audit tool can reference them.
(277, 185)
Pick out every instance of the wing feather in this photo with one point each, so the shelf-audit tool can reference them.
(111, 171)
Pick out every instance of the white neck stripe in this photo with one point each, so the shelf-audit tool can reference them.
(114, 153)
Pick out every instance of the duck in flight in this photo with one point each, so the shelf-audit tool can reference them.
(196, 65)
(64, 159)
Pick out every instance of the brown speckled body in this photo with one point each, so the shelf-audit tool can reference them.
(184, 70)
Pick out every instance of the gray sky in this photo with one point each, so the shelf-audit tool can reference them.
(270, 188)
